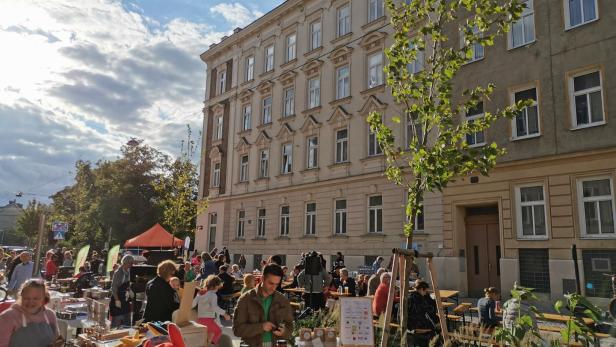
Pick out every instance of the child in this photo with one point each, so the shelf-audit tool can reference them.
(208, 309)
(249, 283)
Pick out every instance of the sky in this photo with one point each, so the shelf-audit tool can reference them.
(80, 78)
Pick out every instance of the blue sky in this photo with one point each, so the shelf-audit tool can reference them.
(80, 78)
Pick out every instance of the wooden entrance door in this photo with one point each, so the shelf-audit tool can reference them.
(483, 253)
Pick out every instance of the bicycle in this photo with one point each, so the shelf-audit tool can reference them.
(612, 305)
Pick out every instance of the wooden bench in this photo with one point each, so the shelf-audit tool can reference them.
(455, 319)
(461, 310)
(558, 329)
(377, 324)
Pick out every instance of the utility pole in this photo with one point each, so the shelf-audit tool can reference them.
(39, 241)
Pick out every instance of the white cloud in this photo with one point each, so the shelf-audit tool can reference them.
(236, 14)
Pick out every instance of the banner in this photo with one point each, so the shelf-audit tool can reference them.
(112, 258)
(82, 255)
(59, 230)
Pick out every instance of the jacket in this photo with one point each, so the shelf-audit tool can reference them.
(249, 317)
(421, 312)
(162, 301)
(207, 305)
(318, 281)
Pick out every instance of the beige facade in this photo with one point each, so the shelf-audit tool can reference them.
(288, 158)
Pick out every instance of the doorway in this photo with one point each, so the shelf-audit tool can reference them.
(483, 249)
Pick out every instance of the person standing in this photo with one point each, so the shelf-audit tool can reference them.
(51, 269)
(422, 314)
(314, 285)
(208, 267)
(119, 307)
(68, 259)
(263, 313)
(162, 299)
(22, 272)
(208, 309)
(242, 262)
(374, 281)
(377, 264)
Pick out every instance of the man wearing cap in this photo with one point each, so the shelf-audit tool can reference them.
(119, 308)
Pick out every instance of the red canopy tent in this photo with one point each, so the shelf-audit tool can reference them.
(156, 237)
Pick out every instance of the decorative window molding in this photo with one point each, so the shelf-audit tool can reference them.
(310, 125)
(287, 78)
(373, 103)
(341, 56)
(263, 140)
(339, 116)
(265, 87)
(242, 146)
(285, 133)
(373, 41)
(312, 68)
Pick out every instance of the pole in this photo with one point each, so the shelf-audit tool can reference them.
(578, 287)
(39, 243)
(390, 301)
(439, 303)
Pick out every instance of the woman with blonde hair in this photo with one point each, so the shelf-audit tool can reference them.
(249, 283)
(208, 311)
(162, 299)
(28, 322)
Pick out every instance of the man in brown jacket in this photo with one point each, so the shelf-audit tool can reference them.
(263, 315)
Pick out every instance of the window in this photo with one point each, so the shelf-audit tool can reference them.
(374, 148)
(523, 31)
(375, 214)
(244, 168)
(587, 102)
(250, 68)
(264, 163)
(342, 145)
(266, 116)
(261, 222)
(284, 221)
(246, 116)
(531, 212)
(375, 70)
(478, 138)
(376, 9)
(419, 220)
(596, 207)
(535, 269)
(311, 219)
(287, 158)
(476, 48)
(291, 47)
(413, 129)
(315, 35)
(216, 175)
(269, 58)
(219, 127)
(313, 152)
(416, 65)
(289, 102)
(579, 12)
(343, 85)
(344, 20)
(340, 213)
(314, 92)
(212, 230)
(241, 221)
(222, 80)
(526, 122)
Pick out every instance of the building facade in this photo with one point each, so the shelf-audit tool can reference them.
(289, 164)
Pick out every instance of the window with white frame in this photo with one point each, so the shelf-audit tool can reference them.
(266, 114)
(313, 152)
(596, 206)
(375, 70)
(269, 58)
(315, 35)
(289, 102)
(250, 68)
(244, 168)
(343, 82)
(586, 99)
(413, 129)
(216, 175)
(531, 211)
(261, 222)
(287, 158)
(314, 92)
(241, 222)
(477, 50)
(219, 127)
(264, 163)
(478, 138)
(222, 81)
(311, 219)
(375, 214)
(340, 212)
(284, 221)
(376, 9)
(342, 145)
(526, 122)
(418, 64)
(374, 148)
(523, 31)
(344, 20)
(291, 47)
(246, 117)
(580, 12)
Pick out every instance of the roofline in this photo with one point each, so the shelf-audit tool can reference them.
(247, 30)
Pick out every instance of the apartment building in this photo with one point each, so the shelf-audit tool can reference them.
(289, 163)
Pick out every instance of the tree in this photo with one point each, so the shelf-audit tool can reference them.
(28, 221)
(431, 100)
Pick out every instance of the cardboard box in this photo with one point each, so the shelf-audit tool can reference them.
(194, 334)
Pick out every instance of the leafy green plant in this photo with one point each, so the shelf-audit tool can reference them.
(523, 330)
(577, 307)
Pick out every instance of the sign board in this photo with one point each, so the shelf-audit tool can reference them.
(356, 322)
(187, 242)
(59, 230)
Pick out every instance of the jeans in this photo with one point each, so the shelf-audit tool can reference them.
(120, 320)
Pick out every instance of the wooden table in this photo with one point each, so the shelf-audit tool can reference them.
(294, 290)
(561, 318)
(338, 295)
(449, 294)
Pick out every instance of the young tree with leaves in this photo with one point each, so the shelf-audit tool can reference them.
(431, 98)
